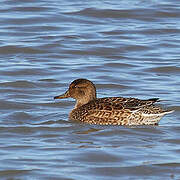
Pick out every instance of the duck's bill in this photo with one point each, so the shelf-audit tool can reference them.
(62, 96)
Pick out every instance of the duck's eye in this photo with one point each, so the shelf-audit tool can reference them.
(76, 86)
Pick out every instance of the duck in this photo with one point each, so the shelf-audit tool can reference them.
(110, 110)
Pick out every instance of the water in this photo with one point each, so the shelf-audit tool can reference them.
(127, 48)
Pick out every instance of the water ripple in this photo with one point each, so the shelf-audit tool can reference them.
(127, 48)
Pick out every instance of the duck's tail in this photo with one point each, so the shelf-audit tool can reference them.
(160, 114)
(149, 116)
(167, 112)
(153, 119)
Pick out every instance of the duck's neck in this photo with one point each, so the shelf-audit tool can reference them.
(89, 96)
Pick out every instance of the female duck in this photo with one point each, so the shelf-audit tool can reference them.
(110, 110)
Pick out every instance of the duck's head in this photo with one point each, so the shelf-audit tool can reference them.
(82, 90)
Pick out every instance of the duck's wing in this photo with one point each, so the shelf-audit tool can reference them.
(119, 111)
(115, 110)
(128, 103)
(113, 105)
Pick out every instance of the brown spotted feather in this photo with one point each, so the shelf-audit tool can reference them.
(114, 111)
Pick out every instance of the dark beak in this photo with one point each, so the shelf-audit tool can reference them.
(62, 96)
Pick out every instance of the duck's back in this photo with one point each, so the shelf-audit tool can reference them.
(119, 111)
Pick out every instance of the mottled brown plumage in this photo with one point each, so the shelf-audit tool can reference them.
(110, 110)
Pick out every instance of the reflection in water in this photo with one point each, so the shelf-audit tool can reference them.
(89, 131)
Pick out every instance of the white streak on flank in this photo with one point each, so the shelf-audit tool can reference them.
(158, 114)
